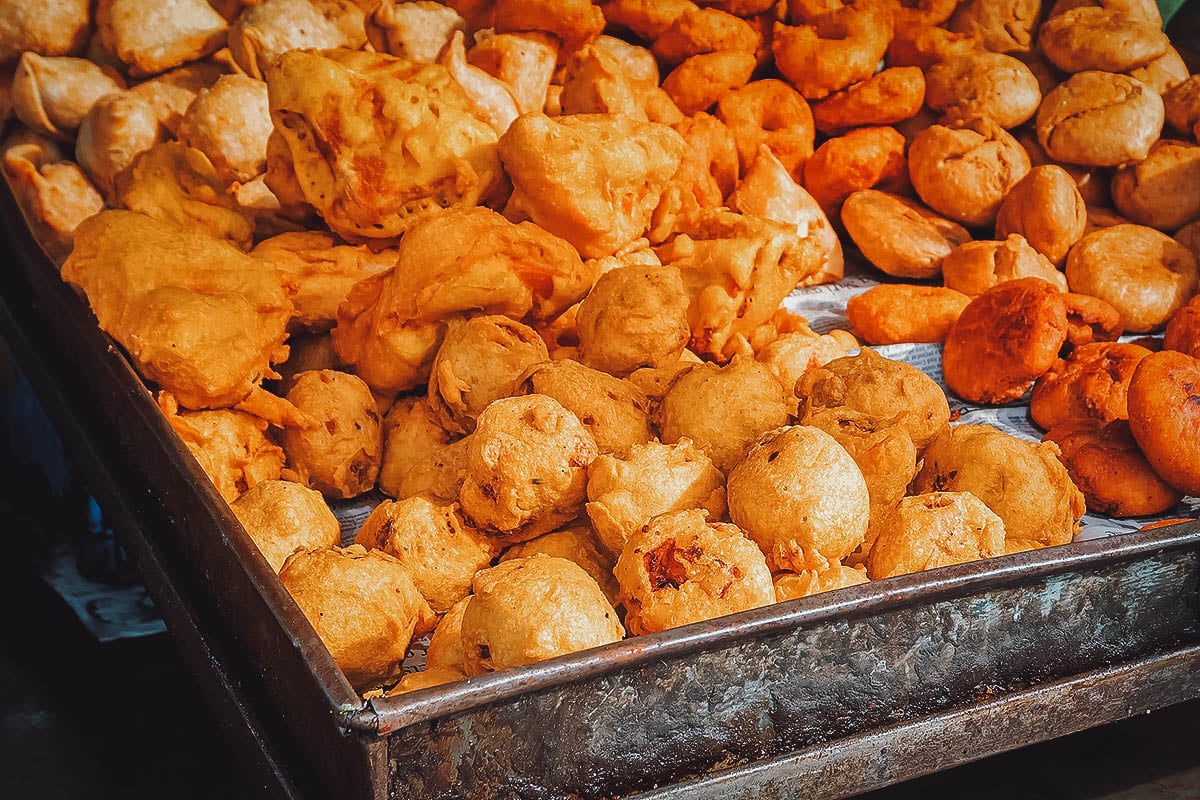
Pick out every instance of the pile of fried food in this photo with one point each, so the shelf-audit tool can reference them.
(520, 264)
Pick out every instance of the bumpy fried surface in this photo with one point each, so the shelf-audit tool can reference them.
(57, 28)
(340, 457)
(1100, 119)
(893, 313)
(858, 160)
(792, 354)
(230, 122)
(172, 92)
(1183, 331)
(1160, 191)
(891, 95)
(680, 568)
(1003, 26)
(445, 651)
(700, 81)
(633, 317)
(578, 543)
(1181, 105)
(922, 45)
(153, 38)
(53, 95)
(793, 586)
(282, 517)
(1100, 39)
(573, 22)
(1047, 209)
(839, 48)
(984, 85)
(414, 30)
(1163, 402)
(419, 455)
(899, 236)
(974, 267)
(267, 29)
(935, 530)
(1090, 383)
(524, 61)
(116, 129)
(1090, 319)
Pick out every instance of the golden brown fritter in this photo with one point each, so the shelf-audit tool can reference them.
(340, 456)
(933, 530)
(281, 517)
(1090, 383)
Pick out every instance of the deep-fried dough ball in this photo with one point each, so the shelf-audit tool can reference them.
(1090, 319)
(438, 547)
(634, 317)
(933, 530)
(704, 30)
(1105, 463)
(705, 176)
(578, 543)
(281, 517)
(1183, 331)
(1160, 191)
(893, 313)
(155, 37)
(1005, 340)
(480, 360)
(1100, 119)
(702, 80)
(722, 409)
(839, 48)
(1144, 274)
(1092, 182)
(419, 455)
(1163, 73)
(529, 609)
(445, 643)
(769, 112)
(649, 19)
(362, 604)
(1189, 237)
(680, 568)
(883, 389)
(1098, 38)
(974, 267)
(53, 95)
(1003, 26)
(574, 22)
(230, 123)
(117, 128)
(889, 96)
(984, 85)
(792, 354)
(1141, 10)
(1023, 483)
(899, 236)
(1047, 209)
(793, 586)
(57, 28)
(1090, 383)
(416, 30)
(801, 497)
(964, 169)
(526, 467)
(1164, 417)
(341, 456)
(614, 411)
(858, 160)
(1181, 105)
(918, 45)
(172, 92)
(267, 29)
(624, 494)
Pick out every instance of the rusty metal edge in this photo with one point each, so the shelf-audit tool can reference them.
(393, 713)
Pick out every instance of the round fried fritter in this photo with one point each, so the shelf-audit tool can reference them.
(893, 313)
(933, 530)
(1047, 209)
(445, 643)
(341, 456)
(769, 112)
(889, 96)
(680, 568)
(362, 604)
(1163, 73)
(1181, 105)
(1003, 26)
(1164, 415)
(974, 267)
(899, 236)
(704, 30)
(1090, 319)
(922, 45)
(965, 168)
(1092, 182)
(1090, 383)
(480, 360)
(1099, 119)
(984, 85)
(858, 160)
(722, 409)
(792, 354)
(529, 609)
(1101, 39)
(576, 542)
(1183, 331)
(419, 455)
(633, 317)
(117, 128)
(801, 497)
(1105, 463)
(881, 388)
(793, 586)
(526, 467)
(435, 543)
(1144, 274)
(1160, 191)
(1022, 482)
(702, 80)
(229, 122)
(281, 517)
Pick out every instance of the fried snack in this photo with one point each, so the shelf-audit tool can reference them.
(480, 360)
(58, 28)
(607, 79)
(593, 179)
(769, 112)
(889, 96)
(1105, 463)
(524, 61)
(925, 45)
(306, 351)
(1183, 331)
(984, 85)
(434, 542)
(172, 92)
(1181, 105)
(1090, 319)
(704, 30)
(790, 355)
(1140, 10)
(1162, 415)
(723, 409)
(345, 129)
(53, 193)
(1144, 274)
(649, 19)
(894, 313)
(935, 530)
(178, 184)
(702, 80)
(529, 609)
(318, 273)
(53, 95)
(362, 604)
(974, 267)
(1091, 182)
(899, 236)
(633, 317)
(464, 260)
(768, 191)
(965, 168)
(575, 543)
(625, 493)
(117, 128)
(196, 314)
(526, 470)
(282, 517)
(1100, 119)
(341, 456)
(1163, 73)
(1089, 38)
(615, 412)
(861, 159)
(680, 568)
(1003, 26)
(573, 22)
(1189, 237)
(1023, 483)
(230, 123)
(706, 174)
(1090, 383)
(414, 30)
(839, 48)
(1160, 191)
(886, 391)
(154, 38)
(420, 456)
(490, 98)
(445, 652)
(793, 586)
(268, 29)
(1047, 209)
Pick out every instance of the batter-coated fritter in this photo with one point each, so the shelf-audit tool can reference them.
(281, 517)
(1164, 415)
(339, 457)
(1090, 383)
(935, 530)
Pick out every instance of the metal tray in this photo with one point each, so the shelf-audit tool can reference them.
(823, 697)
